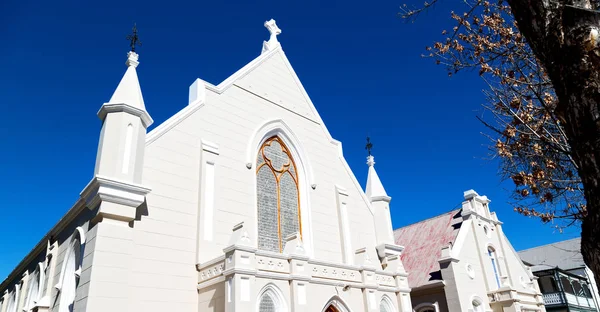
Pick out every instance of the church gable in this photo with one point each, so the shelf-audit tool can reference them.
(275, 81)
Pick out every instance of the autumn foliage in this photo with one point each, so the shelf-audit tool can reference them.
(525, 132)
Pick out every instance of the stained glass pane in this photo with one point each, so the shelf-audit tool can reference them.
(266, 304)
(292, 170)
(289, 205)
(276, 155)
(383, 307)
(259, 159)
(266, 189)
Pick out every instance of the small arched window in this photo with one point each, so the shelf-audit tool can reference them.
(271, 300)
(386, 305)
(35, 287)
(267, 304)
(71, 270)
(427, 309)
(495, 267)
(277, 195)
(11, 305)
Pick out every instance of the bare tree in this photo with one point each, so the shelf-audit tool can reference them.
(541, 62)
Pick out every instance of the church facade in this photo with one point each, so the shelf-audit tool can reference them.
(242, 201)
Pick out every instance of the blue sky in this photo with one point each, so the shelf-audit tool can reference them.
(361, 65)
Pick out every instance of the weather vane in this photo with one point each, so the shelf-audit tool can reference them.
(369, 146)
(134, 39)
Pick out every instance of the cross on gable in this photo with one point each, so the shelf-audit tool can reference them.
(271, 25)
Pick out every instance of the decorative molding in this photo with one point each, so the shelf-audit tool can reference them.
(210, 147)
(340, 190)
(386, 199)
(385, 250)
(108, 108)
(278, 127)
(110, 190)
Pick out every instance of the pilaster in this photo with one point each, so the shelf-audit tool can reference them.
(299, 272)
(240, 270)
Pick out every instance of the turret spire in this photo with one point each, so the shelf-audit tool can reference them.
(374, 188)
(128, 93)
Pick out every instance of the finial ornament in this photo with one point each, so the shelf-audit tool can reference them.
(271, 25)
(133, 38)
(369, 146)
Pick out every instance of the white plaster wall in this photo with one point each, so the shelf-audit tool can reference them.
(229, 119)
(471, 252)
(474, 251)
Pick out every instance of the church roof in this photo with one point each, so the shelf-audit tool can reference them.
(423, 242)
(565, 255)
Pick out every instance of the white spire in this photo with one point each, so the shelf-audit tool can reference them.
(375, 189)
(128, 93)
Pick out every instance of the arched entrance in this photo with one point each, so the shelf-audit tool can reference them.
(331, 309)
(335, 304)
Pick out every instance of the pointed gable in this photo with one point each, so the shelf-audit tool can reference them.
(276, 81)
(423, 243)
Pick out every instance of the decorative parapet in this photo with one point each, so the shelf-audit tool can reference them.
(211, 269)
(506, 295)
(292, 265)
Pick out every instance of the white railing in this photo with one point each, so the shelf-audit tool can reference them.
(553, 298)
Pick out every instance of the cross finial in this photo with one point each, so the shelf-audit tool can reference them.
(133, 38)
(273, 29)
(369, 146)
(271, 25)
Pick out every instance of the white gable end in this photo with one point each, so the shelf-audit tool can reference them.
(276, 81)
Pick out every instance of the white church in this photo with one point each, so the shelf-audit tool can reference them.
(242, 201)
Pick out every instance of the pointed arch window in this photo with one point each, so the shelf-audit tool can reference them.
(278, 197)
(494, 260)
(385, 305)
(71, 271)
(271, 300)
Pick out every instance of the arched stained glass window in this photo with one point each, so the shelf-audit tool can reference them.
(277, 195)
(266, 304)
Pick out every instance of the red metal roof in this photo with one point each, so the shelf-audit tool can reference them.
(423, 243)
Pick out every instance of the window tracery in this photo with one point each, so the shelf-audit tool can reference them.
(278, 197)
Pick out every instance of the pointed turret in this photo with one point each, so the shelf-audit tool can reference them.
(380, 201)
(120, 158)
(128, 94)
(116, 192)
(375, 190)
(123, 135)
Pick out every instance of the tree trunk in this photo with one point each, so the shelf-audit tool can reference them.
(564, 35)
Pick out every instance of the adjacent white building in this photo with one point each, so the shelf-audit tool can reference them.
(242, 201)
(463, 261)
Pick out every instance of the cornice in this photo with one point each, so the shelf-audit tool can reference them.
(108, 108)
(105, 189)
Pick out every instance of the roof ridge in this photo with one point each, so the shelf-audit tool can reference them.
(428, 219)
(551, 244)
